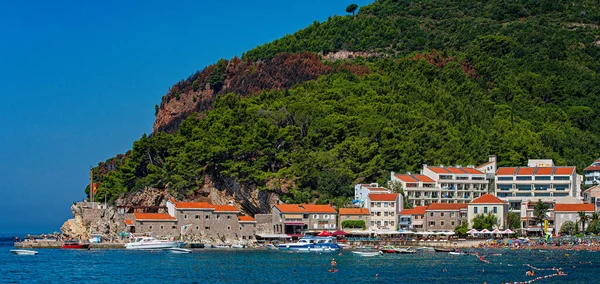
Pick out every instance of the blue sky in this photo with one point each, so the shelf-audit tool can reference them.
(79, 81)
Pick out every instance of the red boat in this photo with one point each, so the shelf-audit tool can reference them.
(75, 245)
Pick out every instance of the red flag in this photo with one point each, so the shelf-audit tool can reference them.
(95, 187)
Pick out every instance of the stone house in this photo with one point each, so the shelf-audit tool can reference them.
(296, 219)
(489, 204)
(247, 227)
(570, 212)
(353, 214)
(155, 224)
(445, 216)
(207, 221)
(384, 209)
(412, 219)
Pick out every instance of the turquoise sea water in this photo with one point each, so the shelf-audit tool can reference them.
(262, 266)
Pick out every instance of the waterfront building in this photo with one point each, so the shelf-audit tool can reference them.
(441, 217)
(592, 195)
(539, 180)
(488, 204)
(155, 224)
(488, 168)
(570, 212)
(384, 209)
(592, 174)
(296, 219)
(412, 219)
(207, 220)
(529, 224)
(354, 214)
(362, 191)
(442, 185)
(247, 227)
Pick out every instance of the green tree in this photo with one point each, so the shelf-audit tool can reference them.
(461, 230)
(593, 226)
(351, 8)
(540, 210)
(514, 220)
(583, 218)
(354, 224)
(482, 221)
(396, 187)
(569, 228)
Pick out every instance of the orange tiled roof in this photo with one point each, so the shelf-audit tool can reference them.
(456, 171)
(153, 216)
(472, 171)
(246, 218)
(224, 208)
(308, 208)
(447, 206)
(193, 205)
(544, 171)
(525, 171)
(439, 170)
(423, 178)
(129, 222)
(354, 211)
(418, 210)
(506, 171)
(406, 178)
(595, 187)
(564, 170)
(592, 168)
(573, 207)
(383, 197)
(488, 199)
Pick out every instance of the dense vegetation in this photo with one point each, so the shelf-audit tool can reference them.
(454, 82)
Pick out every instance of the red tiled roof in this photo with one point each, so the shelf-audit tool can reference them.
(406, 178)
(573, 207)
(224, 208)
(153, 216)
(439, 170)
(309, 208)
(423, 178)
(447, 206)
(246, 218)
(472, 171)
(418, 210)
(456, 171)
(383, 197)
(354, 211)
(129, 222)
(320, 208)
(592, 168)
(506, 171)
(488, 199)
(544, 171)
(525, 171)
(564, 170)
(193, 205)
(595, 187)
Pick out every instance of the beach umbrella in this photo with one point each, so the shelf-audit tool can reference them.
(485, 231)
(508, 231)
(496, 231)
(472, 231)
(339, 233)
(324, 234)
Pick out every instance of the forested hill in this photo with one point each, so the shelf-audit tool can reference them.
(436, 82)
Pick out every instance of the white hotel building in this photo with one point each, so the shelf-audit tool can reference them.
(443, 185)
(592, 174)
(536, 181)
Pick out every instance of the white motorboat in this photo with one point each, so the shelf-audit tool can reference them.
(308, 243)
(24, 252)
(367, 253)
(148, 243)
(457, 253)
(178, 250)
(239, 246)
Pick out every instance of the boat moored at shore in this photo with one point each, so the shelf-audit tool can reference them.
(23, 252)
(310, 243)
(148, 243)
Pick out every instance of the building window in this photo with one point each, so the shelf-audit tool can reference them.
(197, 227)
(386, 214)
(206, 217)
(228, 228)
(305, 216)
(197, 216)
(315, 216)
(372, 213)
(325, 226)
(385, 204)
(315, 226)
(162, 227)
(452, 223)
(442, 223)
(431, 214)
(378, 223)
(218, 216)
(228, 217)
(475, 210)
(185, 217)
(431, 223)
(150, 227)
(241, 228)
(442, 214)
(372, 204)
(485, 209)
(206, 228)
(524, 178)
(372, 223)
(495, 209)
(386, 223)
(391, 223)
(451, 214)
(561, 178)
(392, 213)
(378, 213)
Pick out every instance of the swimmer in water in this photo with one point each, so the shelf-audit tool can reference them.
(333, 265)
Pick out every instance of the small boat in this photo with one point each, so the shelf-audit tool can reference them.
(444, 249)
(220, 246)
(457, 253)
(24, 252)
(270, 246)
(237, 246)
(75, 245)
(149, 243)
(196, 245)
(367, 253)
(310, 243)
(406, 250)
(388, 250)
(178, 250)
